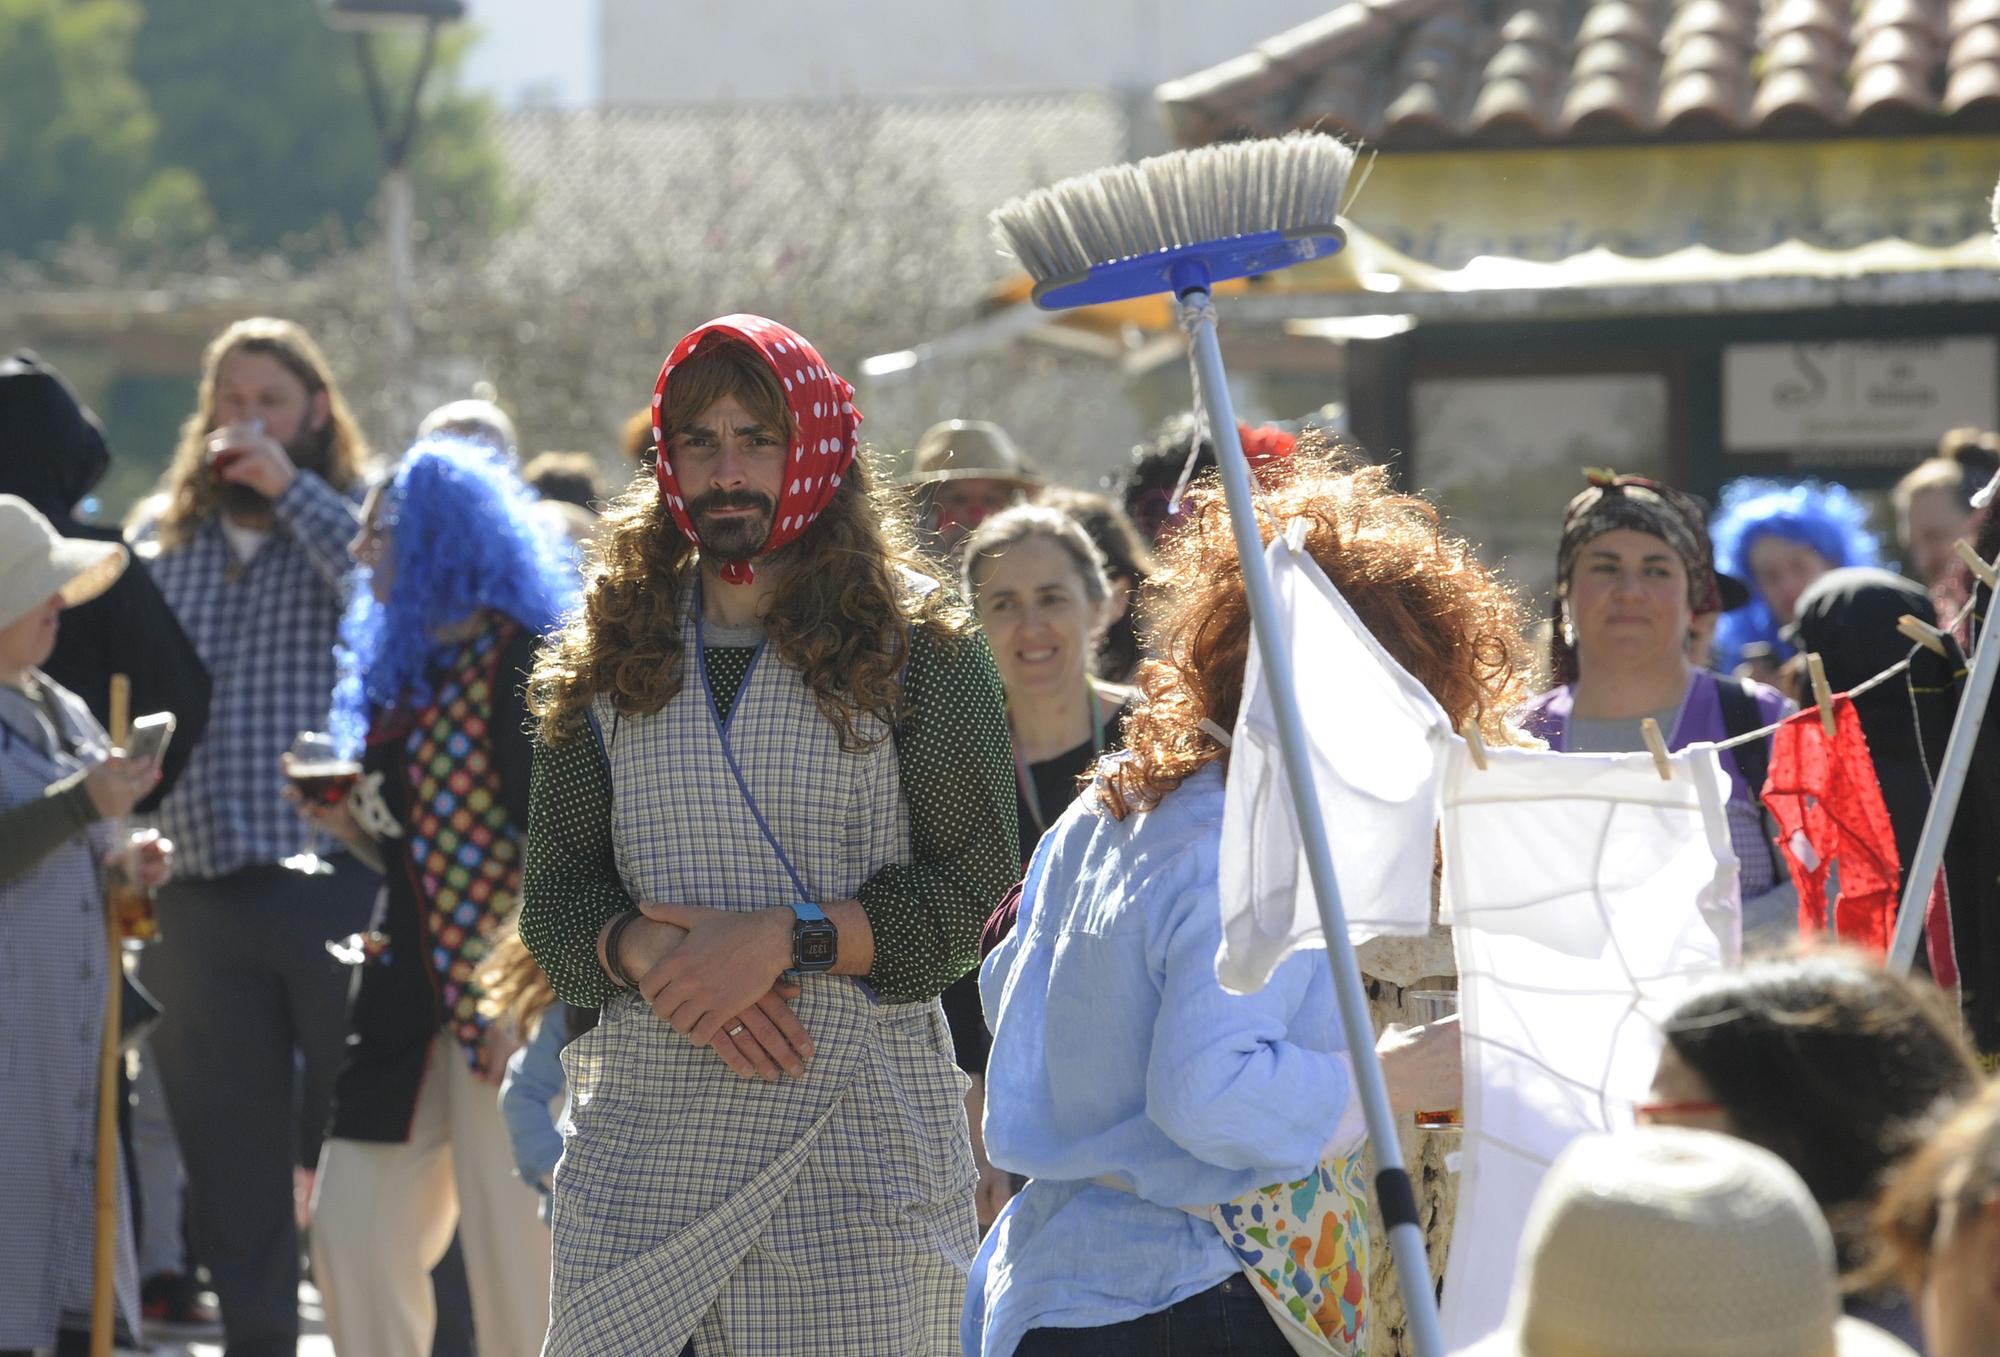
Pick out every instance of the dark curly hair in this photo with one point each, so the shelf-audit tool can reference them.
(1831, 1063)
(1424, 595)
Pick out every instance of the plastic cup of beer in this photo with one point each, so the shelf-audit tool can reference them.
(134, 910)
(323, 782)
(1428, 1006)
(322, 779)
(227, 441)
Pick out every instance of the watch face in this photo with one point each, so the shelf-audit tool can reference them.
(813, 947)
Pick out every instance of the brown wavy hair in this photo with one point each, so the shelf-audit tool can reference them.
(1422, 592)
(842, 616)
(190, 492)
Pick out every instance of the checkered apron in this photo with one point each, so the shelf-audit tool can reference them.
(52, 975)
(830, 1214)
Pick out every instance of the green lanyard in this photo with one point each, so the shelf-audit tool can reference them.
(1027, 783)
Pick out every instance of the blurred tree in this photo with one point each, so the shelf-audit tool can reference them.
(265, 104)
(78, 139)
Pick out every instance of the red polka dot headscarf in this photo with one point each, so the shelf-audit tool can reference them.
(823, 443)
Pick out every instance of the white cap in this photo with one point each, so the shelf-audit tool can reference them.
(37, 562)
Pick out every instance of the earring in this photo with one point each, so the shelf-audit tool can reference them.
(1568, 627)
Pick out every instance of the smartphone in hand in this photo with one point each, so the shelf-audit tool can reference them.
(147, 742)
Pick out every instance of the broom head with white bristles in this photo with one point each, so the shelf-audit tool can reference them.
(1181, 220)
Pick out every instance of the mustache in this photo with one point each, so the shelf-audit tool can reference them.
(730, 499)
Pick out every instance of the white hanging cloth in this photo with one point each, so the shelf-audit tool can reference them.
(1377, 743)
(1587, 895)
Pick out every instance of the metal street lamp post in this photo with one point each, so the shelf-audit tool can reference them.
(365, 18)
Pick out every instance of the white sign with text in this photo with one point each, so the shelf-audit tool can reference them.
(1857, 394)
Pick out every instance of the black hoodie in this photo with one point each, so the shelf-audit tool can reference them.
(52, 451)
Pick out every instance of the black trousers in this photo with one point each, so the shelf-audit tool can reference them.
(253, 1031)
(1227, 1320)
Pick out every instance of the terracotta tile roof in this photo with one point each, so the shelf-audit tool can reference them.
(1420, 73)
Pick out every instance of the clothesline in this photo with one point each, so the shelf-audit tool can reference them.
(1866, 685)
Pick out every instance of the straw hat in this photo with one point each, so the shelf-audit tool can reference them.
(969, 450)
(37, 561)
(1667, 1242)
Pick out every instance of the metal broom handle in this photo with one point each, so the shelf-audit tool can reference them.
(1393, 1193)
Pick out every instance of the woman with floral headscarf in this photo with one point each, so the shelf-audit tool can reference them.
(457, 585)
(1633, 571)
(1780, 538)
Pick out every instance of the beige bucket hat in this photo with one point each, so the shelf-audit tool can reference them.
(969, 450)
(37, 561)
(1668, 1242)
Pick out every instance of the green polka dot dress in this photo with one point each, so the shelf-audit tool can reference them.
(956, 758)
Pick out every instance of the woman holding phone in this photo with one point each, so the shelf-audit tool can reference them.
(62, 788)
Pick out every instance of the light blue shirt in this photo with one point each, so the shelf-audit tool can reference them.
(1116, 1052)
(533, 1082)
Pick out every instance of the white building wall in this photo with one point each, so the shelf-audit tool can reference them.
(675, 51)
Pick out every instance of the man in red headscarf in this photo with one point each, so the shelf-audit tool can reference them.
(773, 802)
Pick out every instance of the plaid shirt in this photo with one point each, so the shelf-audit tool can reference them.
(266, 632)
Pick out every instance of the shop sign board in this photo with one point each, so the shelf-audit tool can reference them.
(1857, 396)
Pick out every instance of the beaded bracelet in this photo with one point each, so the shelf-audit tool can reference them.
(613, 966)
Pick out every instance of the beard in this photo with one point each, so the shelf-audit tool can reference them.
(732, 539)
(310, 450)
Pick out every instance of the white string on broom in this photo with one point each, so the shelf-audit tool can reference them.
(1194, 309)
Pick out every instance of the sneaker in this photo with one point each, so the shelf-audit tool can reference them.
(171, 1304)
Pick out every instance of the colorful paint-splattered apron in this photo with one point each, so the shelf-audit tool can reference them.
(830, 1214)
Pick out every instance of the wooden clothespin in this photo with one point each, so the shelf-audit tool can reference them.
(1976, 563)
(1475, 744)
(1822, 695)
(1923, 633)
(1656, 745)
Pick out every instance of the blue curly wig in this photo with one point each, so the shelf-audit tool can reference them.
(462, 538)
(1825, 517)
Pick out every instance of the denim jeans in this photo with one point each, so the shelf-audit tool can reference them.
(1227, 1320)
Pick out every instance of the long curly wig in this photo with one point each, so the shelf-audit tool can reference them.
(463, 539)
(1823, 516)
(1421, 591)
(842, 615)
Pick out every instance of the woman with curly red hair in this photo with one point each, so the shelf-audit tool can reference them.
(1183, 1094)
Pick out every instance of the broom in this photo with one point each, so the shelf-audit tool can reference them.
(104, 1254)
(1180, 223)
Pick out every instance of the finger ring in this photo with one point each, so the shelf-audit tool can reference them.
(734, 1030)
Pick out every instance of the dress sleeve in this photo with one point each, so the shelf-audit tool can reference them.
(570, 887)
(958, 778)
(34, 829)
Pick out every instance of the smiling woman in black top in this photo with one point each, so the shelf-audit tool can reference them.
(1039, 586)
